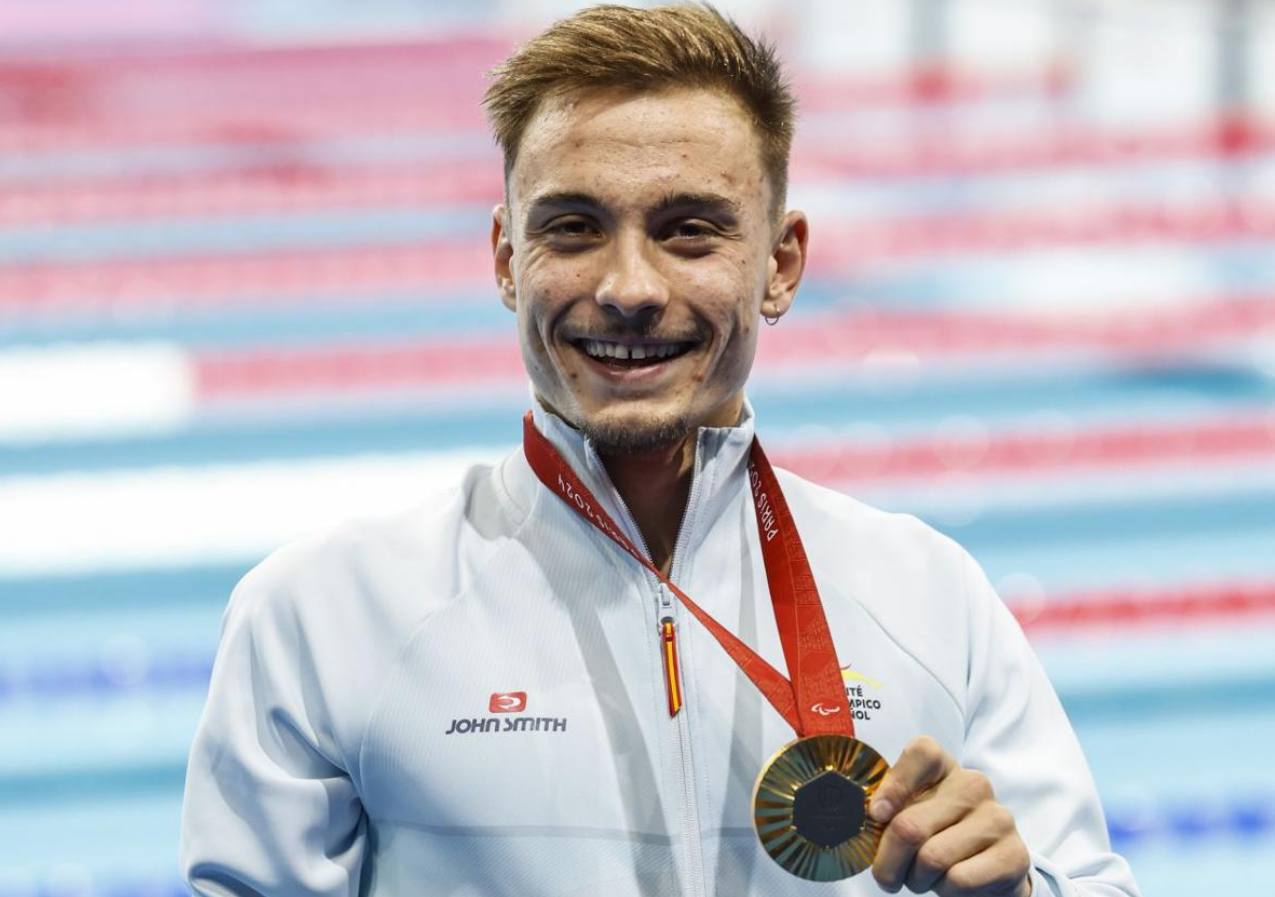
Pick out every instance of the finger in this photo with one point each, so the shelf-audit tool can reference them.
(909, 834)
(1001, 869)
(971, 834)
(922, 765)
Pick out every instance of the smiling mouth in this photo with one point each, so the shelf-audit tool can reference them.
(632, 355)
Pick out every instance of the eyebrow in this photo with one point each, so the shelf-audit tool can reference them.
(711, 202)
(563, 198)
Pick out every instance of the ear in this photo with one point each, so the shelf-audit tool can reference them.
(502, 253)
(786, 264)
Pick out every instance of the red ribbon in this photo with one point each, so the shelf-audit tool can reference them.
(814, 702)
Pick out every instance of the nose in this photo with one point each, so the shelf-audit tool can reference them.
(632, 286)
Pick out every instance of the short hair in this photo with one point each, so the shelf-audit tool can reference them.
(611, 46)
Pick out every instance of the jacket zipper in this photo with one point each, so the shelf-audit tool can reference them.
(690, 803)
(690, 799)
(668, 612)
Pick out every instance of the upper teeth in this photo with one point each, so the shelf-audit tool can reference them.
(600, 349)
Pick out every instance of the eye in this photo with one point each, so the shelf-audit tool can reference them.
(572, 228)
(690, 229)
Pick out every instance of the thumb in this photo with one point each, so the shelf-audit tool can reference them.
(921, 766)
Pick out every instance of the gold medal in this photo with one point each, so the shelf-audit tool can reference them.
(810, 806)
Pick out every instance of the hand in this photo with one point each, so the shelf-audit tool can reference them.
(945, 831)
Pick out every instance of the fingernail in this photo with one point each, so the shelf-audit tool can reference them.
(880, 810)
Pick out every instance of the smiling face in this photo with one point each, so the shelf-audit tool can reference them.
(639, 252)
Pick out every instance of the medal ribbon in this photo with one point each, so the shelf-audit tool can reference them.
(814, 702)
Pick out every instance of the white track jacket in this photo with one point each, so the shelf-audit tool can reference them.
(468, 699)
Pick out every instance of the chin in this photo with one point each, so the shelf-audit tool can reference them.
(633, 433)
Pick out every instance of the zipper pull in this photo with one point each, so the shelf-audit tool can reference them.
(672, 679)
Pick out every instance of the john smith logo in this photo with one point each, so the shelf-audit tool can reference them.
(825, 711)
(508, 702)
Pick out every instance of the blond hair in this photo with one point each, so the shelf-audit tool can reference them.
(647, 50)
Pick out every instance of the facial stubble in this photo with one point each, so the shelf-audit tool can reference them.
(628, 438)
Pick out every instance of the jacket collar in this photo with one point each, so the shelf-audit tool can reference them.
(721, 455)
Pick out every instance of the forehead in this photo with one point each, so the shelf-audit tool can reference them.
(630, 146)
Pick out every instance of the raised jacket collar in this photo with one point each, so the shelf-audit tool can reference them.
(721, 455)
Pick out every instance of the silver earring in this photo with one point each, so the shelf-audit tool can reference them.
(771, 320)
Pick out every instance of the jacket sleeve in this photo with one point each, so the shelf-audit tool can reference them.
(1018, 735)
(269, 807)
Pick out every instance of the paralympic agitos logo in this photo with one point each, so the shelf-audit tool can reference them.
(504, 703)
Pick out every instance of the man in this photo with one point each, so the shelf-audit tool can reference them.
(488, 695)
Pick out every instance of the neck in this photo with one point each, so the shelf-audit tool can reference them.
(655, 487)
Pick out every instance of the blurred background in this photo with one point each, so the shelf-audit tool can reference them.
(245, 292)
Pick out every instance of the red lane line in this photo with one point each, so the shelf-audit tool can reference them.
(840, 248)
(280, 188)
(1124, 608)
(295, 123)
(955, 151)
(1249, 437)
(853, 336)
(212, 59)
(926, 85)
(309, 371)
(437, 269)
(82, 98)
(108, 100)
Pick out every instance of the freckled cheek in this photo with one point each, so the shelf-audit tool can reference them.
(714, 296)
(550, 283)
(542, 303)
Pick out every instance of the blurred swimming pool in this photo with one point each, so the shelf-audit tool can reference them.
(243, 293)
